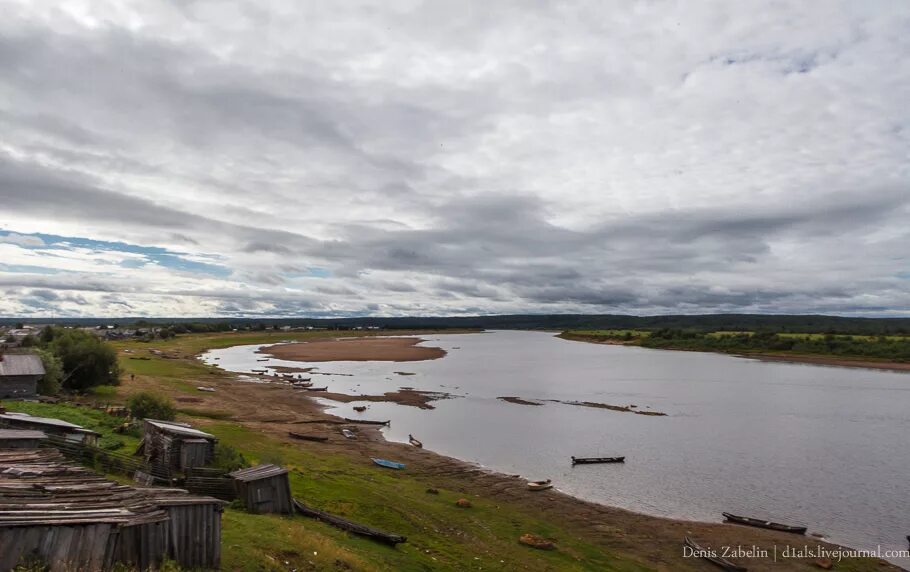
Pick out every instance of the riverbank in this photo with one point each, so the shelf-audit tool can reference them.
(337, 475)
(815, 359)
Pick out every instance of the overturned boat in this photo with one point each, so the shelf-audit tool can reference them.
(540, 485)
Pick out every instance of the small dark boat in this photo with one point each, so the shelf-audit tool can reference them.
(262, 359)
(594, 460)
(745, 520)
(302, 437)
(716, 560)
(360, 408)
(316, 388)
(368, 421)
(414, 441)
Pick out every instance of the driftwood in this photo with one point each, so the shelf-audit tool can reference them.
(367, 421)
(348, 525)
(307, 437)
(327, 421)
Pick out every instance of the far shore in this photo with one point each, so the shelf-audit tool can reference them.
(814, 359)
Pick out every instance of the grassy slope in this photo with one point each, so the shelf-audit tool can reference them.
(440, 535)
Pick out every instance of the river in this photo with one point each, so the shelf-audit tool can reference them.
(802, 444)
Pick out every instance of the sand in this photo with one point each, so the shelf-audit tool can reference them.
(355, 349)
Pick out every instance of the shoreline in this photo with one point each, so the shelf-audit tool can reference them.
(397, 349)
(654, 540)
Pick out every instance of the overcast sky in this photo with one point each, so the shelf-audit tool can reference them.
(278, 158)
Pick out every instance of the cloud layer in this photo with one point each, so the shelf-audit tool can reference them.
(325, 159)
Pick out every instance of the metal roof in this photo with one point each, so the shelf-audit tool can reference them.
(179, 429)
(40, 488)
(20, 364)
(258, 472)
(13, 417)
(6, 434)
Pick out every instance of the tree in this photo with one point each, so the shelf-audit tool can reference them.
(53, 373)
(147, 405)
(87, 361)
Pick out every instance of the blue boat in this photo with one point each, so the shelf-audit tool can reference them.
(388, 464)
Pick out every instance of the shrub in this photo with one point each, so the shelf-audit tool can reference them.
(147, 405)
(228, 458)
(53, 373)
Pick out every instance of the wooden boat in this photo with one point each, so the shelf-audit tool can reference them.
(593, 460)
(317, 438)
(745, 520)
(414, 441)
(367, 421)
(348, 434)
(716, 560)
(388, 464)
(208, 389)
(316, 388)
(540, 485)
(350, 526)
(261, 359)
(360, 408)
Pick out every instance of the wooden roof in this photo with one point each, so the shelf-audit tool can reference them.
(13, 417)
(21, 434)
(182, 429)
(20, 364)
(39, 487)
(258, 472)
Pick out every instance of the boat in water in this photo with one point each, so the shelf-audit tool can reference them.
(360, 408)
(414, 441)
(595, 460)
(388, 464)
(723, 563)
(540, 485)
(745, 520)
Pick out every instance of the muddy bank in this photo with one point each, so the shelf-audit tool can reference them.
(404, 396)
(832, 361)
(622, 408)
(518, 401)
(355, 349)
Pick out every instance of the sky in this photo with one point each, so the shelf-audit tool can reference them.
(282, 158)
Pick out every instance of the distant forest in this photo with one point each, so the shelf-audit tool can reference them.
(693, 323)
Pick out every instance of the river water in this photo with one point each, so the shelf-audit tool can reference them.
(802, 444)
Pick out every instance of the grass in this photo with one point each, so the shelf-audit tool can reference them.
(87, 417)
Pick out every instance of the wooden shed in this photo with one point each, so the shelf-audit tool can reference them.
(49, 426)
(170, 446)
(21, 439)
(70, 518)
(264, 489)
(19, 375)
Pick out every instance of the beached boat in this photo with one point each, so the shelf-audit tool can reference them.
(368, 421)
(540, 485)
(208, 389)
(348, 434)
(360, 408)
(317, 438)
(716, 560)
(388, 464)
(594, 460)
(745, 520)
(261, 359)
(316, 388)
(259, 370)
(414, 441)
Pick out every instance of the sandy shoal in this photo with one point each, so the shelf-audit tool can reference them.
(355, 349)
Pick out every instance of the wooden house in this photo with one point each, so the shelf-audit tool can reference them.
(19, 375)
(264, 489)
(70, 518)
(170, 446)
(49, 426)
(21, 439)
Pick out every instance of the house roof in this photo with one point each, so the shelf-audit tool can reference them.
(41, 488)
(180, 429)
(13, 417)
(12, 434)
(258, 472)
(20, 364)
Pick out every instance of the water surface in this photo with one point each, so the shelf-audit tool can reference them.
(803, 444)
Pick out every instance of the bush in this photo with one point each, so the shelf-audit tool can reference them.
(147, 405)
(53, 373)
(228, 458)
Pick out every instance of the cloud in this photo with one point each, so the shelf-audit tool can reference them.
(441, 159)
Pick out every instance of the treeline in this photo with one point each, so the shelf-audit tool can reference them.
(892, 349)
(700, 323)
